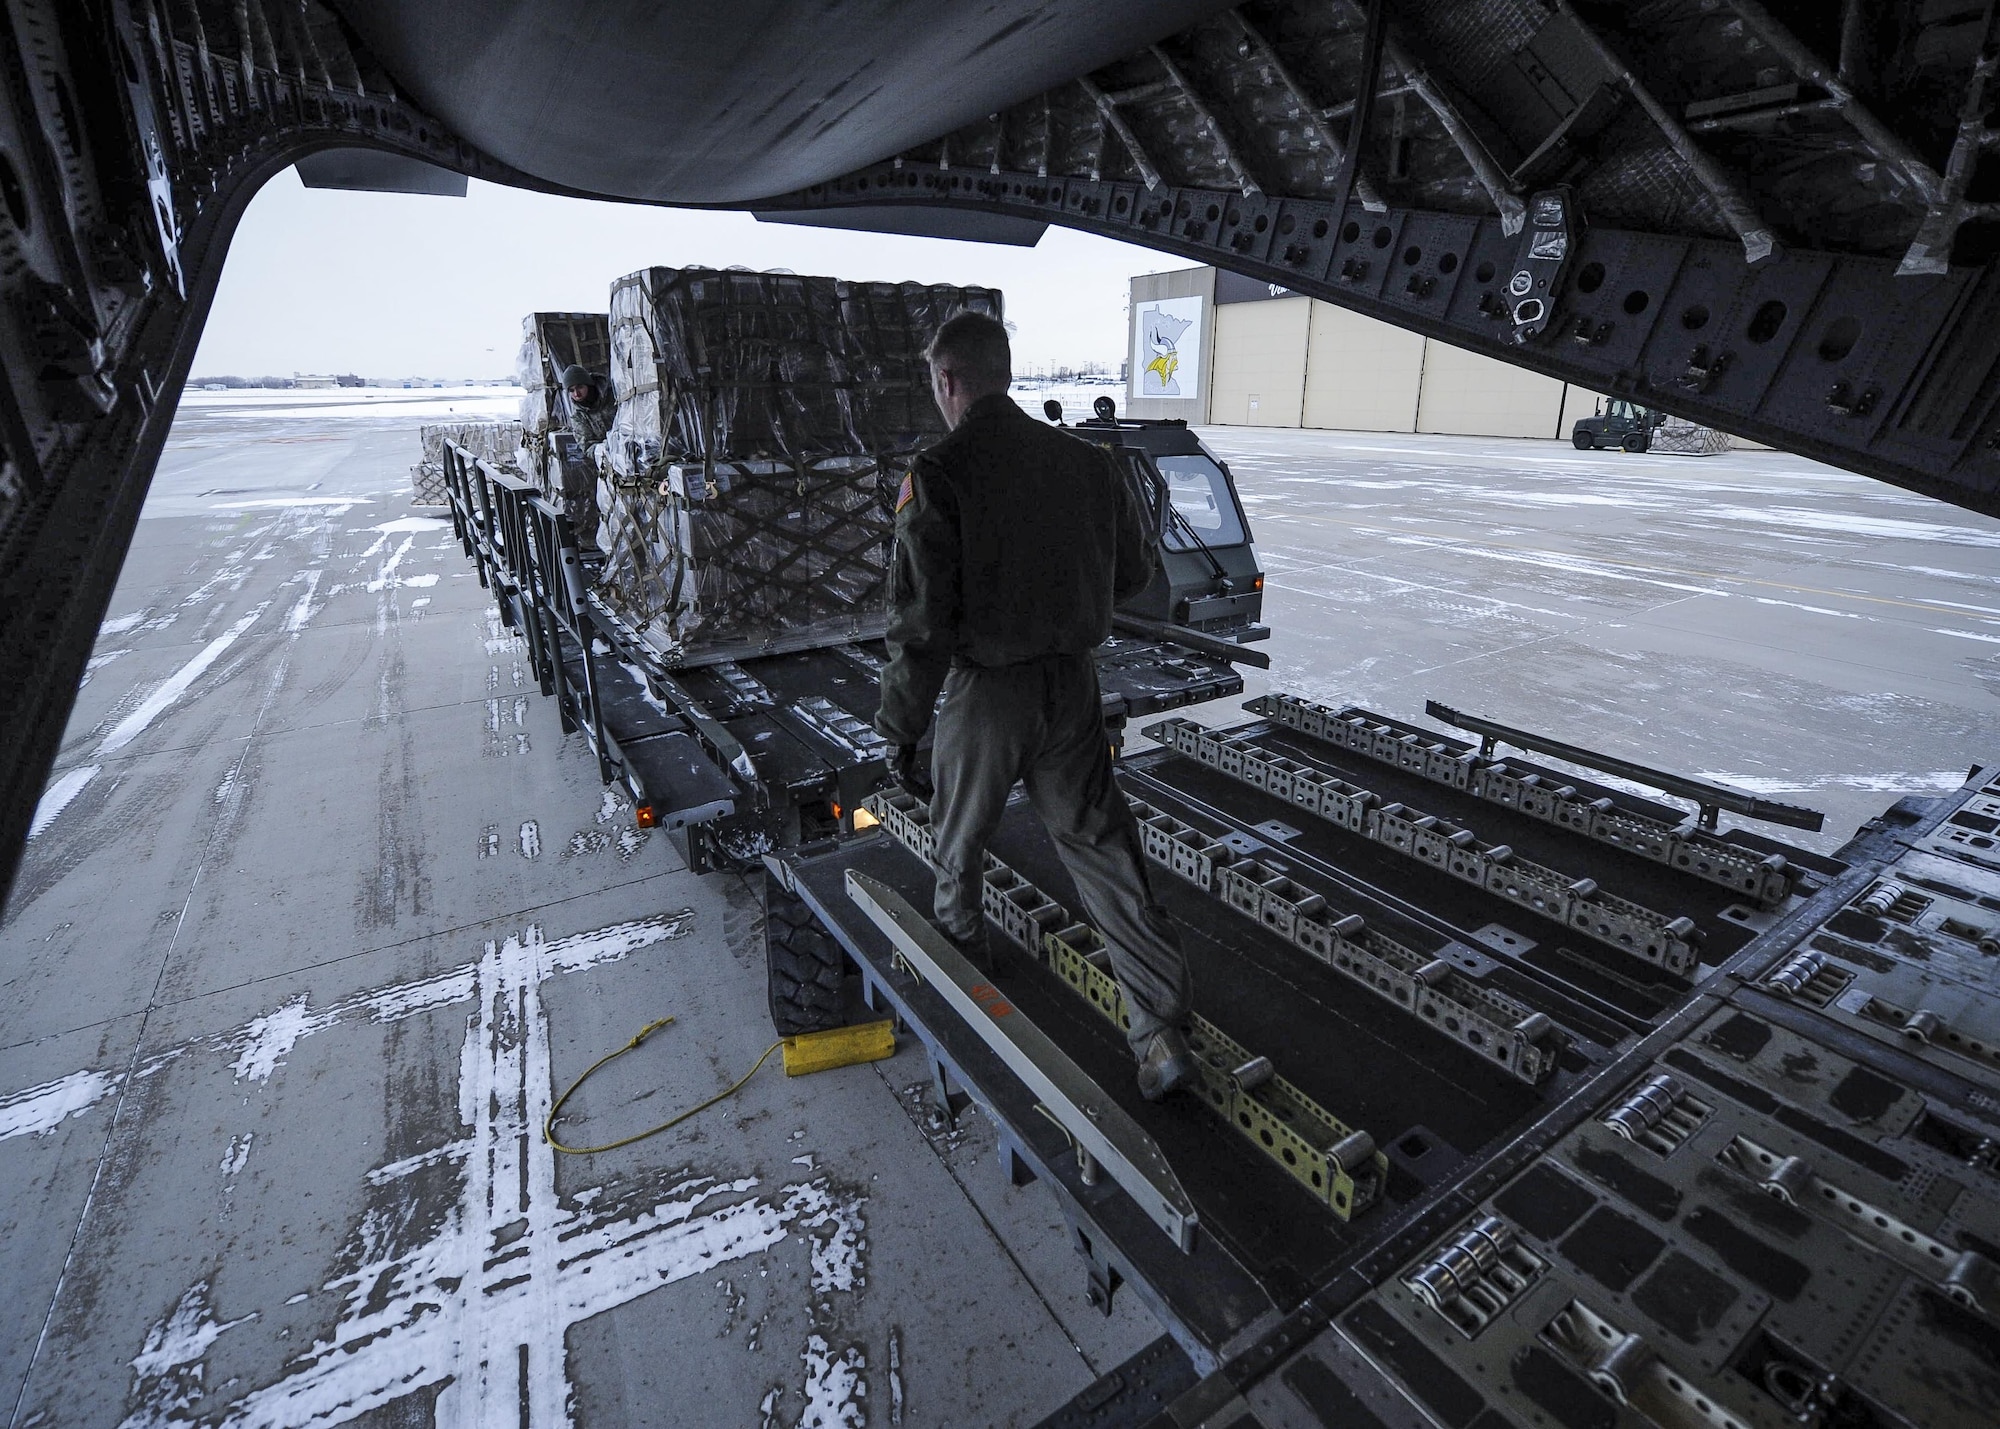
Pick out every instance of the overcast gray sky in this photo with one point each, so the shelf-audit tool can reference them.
(399, 285)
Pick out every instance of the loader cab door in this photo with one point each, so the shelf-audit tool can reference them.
(1208, 577)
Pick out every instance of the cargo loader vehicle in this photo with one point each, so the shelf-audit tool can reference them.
(1529, 1093)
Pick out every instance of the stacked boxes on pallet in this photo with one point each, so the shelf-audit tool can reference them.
(550, 342)
(1689, 439)
(495, 442)
(764, 424)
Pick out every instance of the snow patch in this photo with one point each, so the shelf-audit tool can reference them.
(300, 613)
(269, 1039)
(119, 624)
(645, 690)
(59, 796)
(1935, 782)
(391, 1004)
(531, 839)
(41, 1109)
(238, 1154)
(175, 685)
(834, 1387)
(838, 1236)
(169, 1369)
(281, 502)
(404, 525)
(386, 575)
(895, 1375)
(98, 662)
(1970, 635)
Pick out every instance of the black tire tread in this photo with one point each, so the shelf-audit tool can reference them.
(808, 970)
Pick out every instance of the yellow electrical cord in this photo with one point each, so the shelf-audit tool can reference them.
(549, 1125)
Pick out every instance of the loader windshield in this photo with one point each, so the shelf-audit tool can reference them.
(1201, 494)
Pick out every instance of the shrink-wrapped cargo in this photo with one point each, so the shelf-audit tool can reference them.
(495, 442)
(1689, 438)
(764, 423)
(551, 342)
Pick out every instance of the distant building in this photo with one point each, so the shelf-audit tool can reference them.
(315, 382)
(1219, 348)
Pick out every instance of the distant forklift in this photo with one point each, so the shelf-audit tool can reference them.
(1618, 423)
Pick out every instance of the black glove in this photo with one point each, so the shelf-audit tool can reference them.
(910, 775)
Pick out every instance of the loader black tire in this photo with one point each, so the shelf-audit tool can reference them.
(807, 969)
(1637, 442)
(1583, 441)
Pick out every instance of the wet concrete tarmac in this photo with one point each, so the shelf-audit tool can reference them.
(1751, 618)
(321, 906)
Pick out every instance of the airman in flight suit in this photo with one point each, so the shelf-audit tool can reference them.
(1013, 542)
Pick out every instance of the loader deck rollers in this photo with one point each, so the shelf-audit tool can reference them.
(1512, 1081)
(1372, 1033)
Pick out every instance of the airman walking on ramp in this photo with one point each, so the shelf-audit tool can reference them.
(1013, 543)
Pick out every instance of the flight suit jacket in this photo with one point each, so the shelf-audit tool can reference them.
(1014, 540)
(590, 425)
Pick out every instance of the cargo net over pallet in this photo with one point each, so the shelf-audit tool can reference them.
(1338, 1164)
(551, 343)
(1679, 438)
(497, 443)
(764, 424)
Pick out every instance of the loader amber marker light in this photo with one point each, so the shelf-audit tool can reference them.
(645, 817)
(864, 820)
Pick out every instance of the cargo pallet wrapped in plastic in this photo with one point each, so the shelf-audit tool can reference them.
(1688, 439)
(551, 342)
(495, 442)
(764, 424)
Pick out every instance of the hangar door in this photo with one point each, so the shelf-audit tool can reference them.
(1258, 375)
(1361, 375)
(1471, 395)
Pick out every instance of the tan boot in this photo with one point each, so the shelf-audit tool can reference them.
(1167, 1065)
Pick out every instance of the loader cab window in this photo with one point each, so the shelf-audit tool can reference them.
(1201, 495)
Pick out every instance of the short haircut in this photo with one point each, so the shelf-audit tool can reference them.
(975, 347)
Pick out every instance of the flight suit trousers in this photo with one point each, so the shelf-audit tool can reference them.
(1042, 723)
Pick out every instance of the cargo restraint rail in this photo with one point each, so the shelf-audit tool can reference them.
(1671, 942)
(1338, 1164)
(1765, 878)
(1522, 1041)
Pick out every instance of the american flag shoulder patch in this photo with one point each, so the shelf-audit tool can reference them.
(907, 492)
